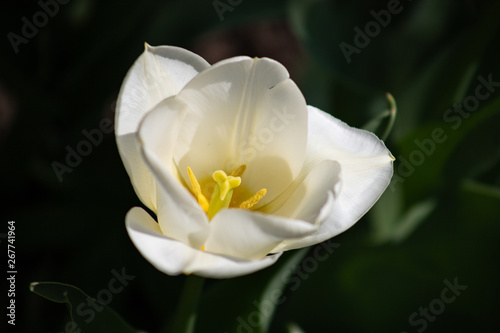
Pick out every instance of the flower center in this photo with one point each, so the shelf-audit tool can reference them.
(221, 188)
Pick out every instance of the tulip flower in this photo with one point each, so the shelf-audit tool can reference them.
(235, 165)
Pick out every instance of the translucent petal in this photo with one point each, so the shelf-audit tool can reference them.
(173, 257)
(307, 195)
(158, 73)
(250, 235)
(366, 166)
(179, 214)
(244, 111)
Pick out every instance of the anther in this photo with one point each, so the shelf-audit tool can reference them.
(254, 199)
(197, 190)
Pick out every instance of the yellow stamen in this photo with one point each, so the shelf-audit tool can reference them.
(222, 192)
(239, 171)
(254, 199)
(197, 190)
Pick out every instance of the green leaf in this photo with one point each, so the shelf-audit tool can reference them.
(385, 213)
(367, 288)
(247, 303)
(447, 76)
(390, 225)
(423, 158)
(479, 201)
(272, 293)
(412, 218)
(86, 313)
(479, 189)
(335, 33)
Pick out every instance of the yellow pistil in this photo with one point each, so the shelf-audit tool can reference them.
(197, 191)
(222, 192)
(254, 199)
(225, 182)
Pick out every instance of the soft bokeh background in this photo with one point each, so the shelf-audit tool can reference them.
(440, 219)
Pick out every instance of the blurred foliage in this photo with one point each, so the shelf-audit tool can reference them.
(86, 313)
(437, 221)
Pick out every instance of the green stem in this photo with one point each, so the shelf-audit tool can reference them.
(184, 319)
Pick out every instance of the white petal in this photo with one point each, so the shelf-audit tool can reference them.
(158, 73)
(355, 149)
(174, 257)
(179, 215)
(251, 235)
(366, 172)
(244, 111)
(308, 194)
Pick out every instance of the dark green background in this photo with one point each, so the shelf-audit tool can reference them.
(440, 223)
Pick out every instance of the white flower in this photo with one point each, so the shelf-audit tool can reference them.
(235, 165)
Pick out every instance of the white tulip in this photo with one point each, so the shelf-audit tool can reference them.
(235, 165)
